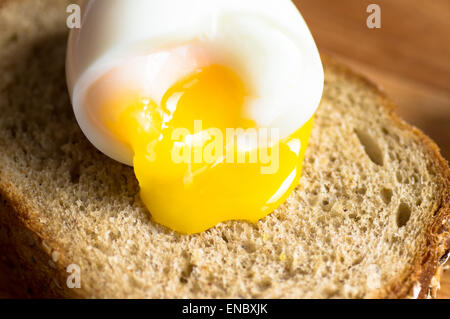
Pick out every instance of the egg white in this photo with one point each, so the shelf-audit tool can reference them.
(266, 42)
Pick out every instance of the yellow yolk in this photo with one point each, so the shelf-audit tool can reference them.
(193, 169)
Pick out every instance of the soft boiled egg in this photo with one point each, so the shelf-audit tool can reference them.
(211, 101)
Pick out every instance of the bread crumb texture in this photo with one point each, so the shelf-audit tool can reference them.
(372, 204)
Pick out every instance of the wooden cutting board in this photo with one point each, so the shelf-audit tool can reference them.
(408, 57)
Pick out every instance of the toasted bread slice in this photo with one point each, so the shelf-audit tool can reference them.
(370, 217)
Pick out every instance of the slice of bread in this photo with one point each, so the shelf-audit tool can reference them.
(370, 217)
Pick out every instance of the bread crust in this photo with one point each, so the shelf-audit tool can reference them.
(422, 280)
(27, 251)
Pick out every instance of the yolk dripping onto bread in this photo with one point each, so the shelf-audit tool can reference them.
(193, 168)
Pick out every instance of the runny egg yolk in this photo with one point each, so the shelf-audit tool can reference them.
(198, 159)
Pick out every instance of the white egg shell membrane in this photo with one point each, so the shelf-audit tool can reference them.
(266, 42)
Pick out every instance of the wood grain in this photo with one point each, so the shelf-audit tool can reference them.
(444, 292)
(409, 58)
(412, 42)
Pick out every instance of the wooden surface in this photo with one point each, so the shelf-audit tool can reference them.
(409, 58)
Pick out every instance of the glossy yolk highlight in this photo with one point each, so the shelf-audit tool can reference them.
(192, 170)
